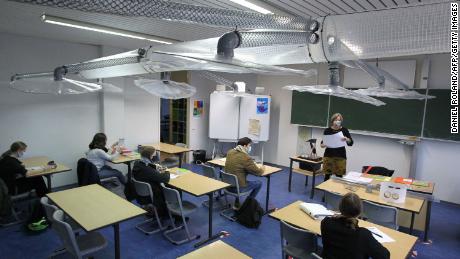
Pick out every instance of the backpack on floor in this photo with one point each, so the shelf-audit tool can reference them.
(250, 214)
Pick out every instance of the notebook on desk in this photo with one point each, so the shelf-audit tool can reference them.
(316, 211)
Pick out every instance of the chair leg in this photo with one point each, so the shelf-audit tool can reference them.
(187, 232)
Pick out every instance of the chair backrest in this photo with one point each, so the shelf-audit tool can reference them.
(65, 233)
(298, 238)
(143, 189)
(380, 214)
(49, 208)
(172, 197)
(332, 200)
(87, 172)
(377, 170)
(208, 171)
(230, 179)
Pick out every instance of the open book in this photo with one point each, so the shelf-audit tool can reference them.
(316, 211)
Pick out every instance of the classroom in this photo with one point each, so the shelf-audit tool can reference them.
(229, 129)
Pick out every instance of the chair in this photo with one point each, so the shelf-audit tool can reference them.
(233, 181)
(79, 246)
(332, 200)
(26, 197)
(208, 171)
(87, 173)
(144, 189)
(179, 208)
(296, 242)
(377, 170)
(380, 214)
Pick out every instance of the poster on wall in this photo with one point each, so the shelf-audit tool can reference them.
(197, 108)
(262, 105)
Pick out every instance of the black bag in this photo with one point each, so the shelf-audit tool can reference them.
(250, 214)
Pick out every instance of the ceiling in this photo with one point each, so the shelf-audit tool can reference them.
(24, 19)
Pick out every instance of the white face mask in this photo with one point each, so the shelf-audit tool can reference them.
(20, 154)
(249, 149)
(338, 123)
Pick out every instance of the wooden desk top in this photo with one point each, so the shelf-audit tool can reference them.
(299, 159)
(127, 158)
(216, 250)
(412, 204)
(42, 161)
(268, 169)
(94, 207)
(193, 183)
(422, 189)
(292, 214)
(168, 148)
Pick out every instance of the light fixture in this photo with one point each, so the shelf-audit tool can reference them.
(103, 29)
(252, 6)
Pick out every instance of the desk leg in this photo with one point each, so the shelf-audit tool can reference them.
(306, 180)
(412, 219)
(312, 192)
(290, 175)
(180, 159)
(48, 182)
(116, 233)
(130, 172)
(267, 198)
(210, 215)
(427, 220)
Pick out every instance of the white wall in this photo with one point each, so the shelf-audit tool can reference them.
(61, 127)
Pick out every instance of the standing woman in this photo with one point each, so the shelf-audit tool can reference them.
(13, 172)
(335, 159)
(99, 155)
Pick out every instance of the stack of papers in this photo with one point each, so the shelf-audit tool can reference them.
(34, 168)
(334, 140)
(316, 211)
(357, 178)
(379, 235)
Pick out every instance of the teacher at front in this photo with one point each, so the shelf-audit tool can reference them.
(335, 159)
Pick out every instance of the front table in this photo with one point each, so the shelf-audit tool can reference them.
(94, 207)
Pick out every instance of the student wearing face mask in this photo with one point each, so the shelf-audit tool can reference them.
(145, 170)
(13, 172)
(239, 163)
(335, 159)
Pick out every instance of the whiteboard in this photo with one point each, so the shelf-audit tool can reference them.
(404, 70)
(249, 111)
(223, 116)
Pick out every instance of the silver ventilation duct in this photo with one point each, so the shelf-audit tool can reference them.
(388, 33)
(180, 12)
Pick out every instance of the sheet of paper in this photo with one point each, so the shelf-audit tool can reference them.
(254, 127)
(173, 176)
(356, 177)
(34, 168)
(334, 140)
(380, 236)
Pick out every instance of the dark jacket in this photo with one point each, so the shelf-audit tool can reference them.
(10, 168)
(342, 242)
(87, 173)
(148, 173)
(340, 151)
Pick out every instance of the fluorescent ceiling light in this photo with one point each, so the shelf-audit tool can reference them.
(103, 29)
(252, 6)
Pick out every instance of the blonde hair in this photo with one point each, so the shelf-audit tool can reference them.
(15, 147)
(334, 116)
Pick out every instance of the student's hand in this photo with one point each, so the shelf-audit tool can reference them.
(344, 139)
(114, 145)
(323, 146)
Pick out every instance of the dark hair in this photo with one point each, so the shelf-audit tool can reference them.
(244, 141)
(99, 141)
(350, 207)
(15, 147)
(147, 151)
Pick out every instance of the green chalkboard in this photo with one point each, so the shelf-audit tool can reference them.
(437, 118)
(398, 116)
(309, 109)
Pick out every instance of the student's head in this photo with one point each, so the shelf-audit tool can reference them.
(336, 120)
(148, 152)
(17, 149)
(350, 207)
(99, 141)
(246, 143)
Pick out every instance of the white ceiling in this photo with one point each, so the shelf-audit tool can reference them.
(24, 19)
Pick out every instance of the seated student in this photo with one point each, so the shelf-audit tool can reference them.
(239, 163)
(145, 170)
(98, 155)
(13, 172)
(343, 238)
